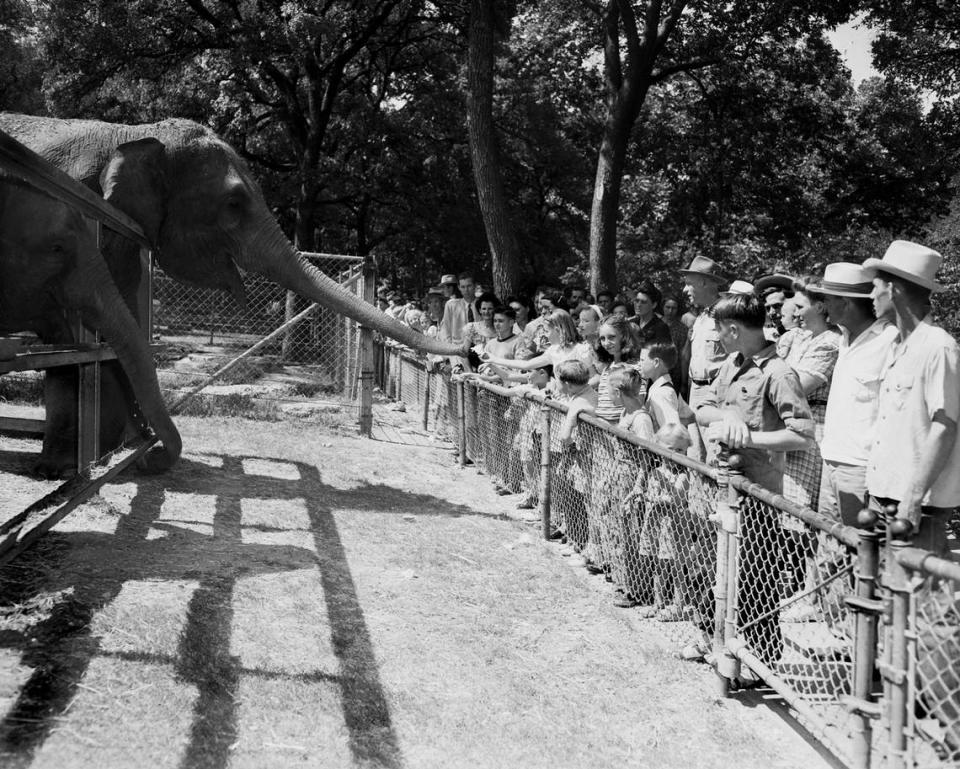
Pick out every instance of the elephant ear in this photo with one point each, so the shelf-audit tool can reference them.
(134, 181)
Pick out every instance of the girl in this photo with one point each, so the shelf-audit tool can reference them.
(618, 344)
(588, 324)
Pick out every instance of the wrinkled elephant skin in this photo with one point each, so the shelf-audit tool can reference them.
(199, 206)
(50, 264)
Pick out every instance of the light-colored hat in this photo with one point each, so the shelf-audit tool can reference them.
(844, 279)
(910, 261)
(740, 287)
(435, 291)
(448, 278)
(702, 265)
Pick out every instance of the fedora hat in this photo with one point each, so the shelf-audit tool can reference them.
(448, 278)
(775, 280)
(703, 265)
(910, 261)
(739, 287)
(843, 279)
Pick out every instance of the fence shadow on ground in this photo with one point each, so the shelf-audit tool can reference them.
(88, 570)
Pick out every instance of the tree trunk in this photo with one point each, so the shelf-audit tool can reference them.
(606, 204)
(501, 237)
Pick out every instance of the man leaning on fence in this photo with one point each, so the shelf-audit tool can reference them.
(915, 459)
(756, 408)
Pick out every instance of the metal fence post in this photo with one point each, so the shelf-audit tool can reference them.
(893, 667)
(365, 415)
(462, 422)
(725, 620)
(867, 608)
(543, 492)
(426, 396)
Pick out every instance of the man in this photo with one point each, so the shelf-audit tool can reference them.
(915, 459)
(605, 300)
(848, 430)
(576, 300)
(458, 311)
(702, 282)
(774, 289)
(646, 302)
(756, 407)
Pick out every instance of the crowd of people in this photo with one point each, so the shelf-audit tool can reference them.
(838, 390)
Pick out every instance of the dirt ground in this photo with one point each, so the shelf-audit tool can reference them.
(294, 595)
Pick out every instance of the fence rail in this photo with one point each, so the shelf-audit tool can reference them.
(857, 632)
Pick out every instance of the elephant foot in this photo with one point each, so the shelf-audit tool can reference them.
(54, 468)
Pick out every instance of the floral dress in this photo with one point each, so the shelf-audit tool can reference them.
(816, 356)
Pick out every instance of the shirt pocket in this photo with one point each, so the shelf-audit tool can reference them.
(867, 389)
(901, 386)
(712, 347)
(748, 403)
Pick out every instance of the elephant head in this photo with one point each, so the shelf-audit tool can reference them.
(49, 264)
(200, 206)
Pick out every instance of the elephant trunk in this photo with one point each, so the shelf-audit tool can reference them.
(105, 309)
(284, 265)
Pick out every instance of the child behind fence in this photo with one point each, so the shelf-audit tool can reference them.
(527, 440)
(572, 471)
(661, 536)
(633, 578)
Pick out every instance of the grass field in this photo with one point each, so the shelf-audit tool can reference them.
(292, 595)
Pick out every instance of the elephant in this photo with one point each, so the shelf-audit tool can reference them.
(49, 265)
(202, 212)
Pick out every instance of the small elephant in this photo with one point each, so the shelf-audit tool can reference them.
(50, 264)
(200, 208)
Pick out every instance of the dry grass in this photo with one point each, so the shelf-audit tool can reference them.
(290, 595)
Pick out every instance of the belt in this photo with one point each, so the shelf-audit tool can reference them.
(701, 382)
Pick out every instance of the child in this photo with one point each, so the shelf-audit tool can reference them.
(527, 441)
(632, 577)
(756, 407)
(572, 470)
(666, 503)
(664, 404)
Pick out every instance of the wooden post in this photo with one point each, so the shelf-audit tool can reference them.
(88, 399)
(365, 415)
(462, 422)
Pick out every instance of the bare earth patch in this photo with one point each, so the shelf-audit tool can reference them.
(293, 595)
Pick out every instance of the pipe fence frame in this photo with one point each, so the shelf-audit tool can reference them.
(857, 632)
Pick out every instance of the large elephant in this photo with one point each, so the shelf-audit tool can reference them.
(201, 210)
(50, 264)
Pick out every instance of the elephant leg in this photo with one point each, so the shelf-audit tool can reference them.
(58, 458)
(119, 417)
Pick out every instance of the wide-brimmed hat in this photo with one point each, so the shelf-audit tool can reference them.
(435, 290)
(739, 287)
(705, 266)
(448, 278)
(843, 279)
(777, 280)
(910, 261)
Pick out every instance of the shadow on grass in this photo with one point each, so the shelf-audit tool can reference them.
(91, 569)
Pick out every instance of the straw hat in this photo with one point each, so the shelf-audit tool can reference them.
(910, 261)
(844, 279)
(706, 267)
(448, 278)
(739, 287)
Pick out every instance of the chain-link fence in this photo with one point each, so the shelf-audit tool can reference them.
(860, 637)
(199, 331)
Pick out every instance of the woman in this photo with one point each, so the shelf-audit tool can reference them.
(477, 332)
(813, 355)
(588, 325)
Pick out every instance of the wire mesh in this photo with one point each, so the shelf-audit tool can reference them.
(200, 330)
(935, 684)
(650, 525)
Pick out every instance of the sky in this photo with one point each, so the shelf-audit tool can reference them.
(853, 42)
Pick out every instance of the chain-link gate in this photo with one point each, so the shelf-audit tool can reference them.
(200, 330)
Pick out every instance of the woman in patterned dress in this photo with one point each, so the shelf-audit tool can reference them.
(813, 356)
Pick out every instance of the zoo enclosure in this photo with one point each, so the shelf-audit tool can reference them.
(858, 633)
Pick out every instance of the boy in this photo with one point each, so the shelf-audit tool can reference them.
(756, 407)
(664, 404)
